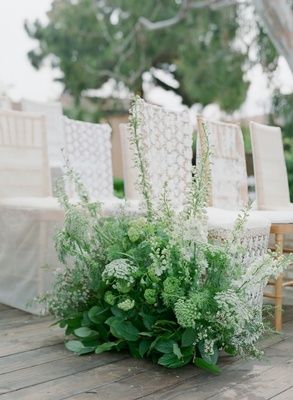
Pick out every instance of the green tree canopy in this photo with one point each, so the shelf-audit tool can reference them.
(91, 41)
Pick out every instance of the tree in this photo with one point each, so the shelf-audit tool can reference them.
(92, 41)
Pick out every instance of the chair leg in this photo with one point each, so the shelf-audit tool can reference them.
(279, 287)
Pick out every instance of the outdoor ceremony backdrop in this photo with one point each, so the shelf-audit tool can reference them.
(204, 57)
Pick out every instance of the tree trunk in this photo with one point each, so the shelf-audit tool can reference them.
(277, 17)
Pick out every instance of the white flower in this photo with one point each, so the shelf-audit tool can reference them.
(119, 269)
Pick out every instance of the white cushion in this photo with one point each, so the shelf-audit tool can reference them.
(226, 219)
(282, 216)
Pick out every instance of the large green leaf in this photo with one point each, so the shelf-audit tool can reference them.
(171, 360)
(97, 314)
(78, 347)
(209, 358)
(123, 329)
(107, 346)
(188, 337)
(85, 332)
(144, 346)
(164, 345)
(177, 351)
(199, 362)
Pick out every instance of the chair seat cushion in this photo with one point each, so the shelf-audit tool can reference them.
(110, 206)
(282, 216)
(226, 219)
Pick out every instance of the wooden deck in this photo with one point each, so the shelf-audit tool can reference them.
(34, 365)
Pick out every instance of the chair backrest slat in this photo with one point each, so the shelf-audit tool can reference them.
(271, 180)
(24, 169)
(228, 175)
(88, 150)
(54, 119)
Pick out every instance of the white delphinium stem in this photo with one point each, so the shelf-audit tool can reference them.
(139, 160)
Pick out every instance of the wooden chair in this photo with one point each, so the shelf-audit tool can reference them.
(226, 169)
(272, 194)
(53, 114)
(5, 103)
(28, 212)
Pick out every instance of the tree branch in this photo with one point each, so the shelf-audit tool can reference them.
(186, 6)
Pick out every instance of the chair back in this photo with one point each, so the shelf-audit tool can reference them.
(88, 150)
(24, 170)
(271, 180)
(166, 139)
(53, 113)
(130, 173)
(227, 165)
(5, 103)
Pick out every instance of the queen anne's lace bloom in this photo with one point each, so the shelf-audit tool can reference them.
(126, 305)
(120, 269)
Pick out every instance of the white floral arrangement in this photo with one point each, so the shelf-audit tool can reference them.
(155, 285)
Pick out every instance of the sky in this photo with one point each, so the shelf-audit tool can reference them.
(20, 80)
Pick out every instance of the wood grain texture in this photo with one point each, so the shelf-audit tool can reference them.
(35, 365)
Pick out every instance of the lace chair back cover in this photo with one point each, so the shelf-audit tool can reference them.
(88, 150)
(255, 240)
(271, 180)
(55, 136)
(229, 188)
(130, 173)
(24, 170)
(5, 103)
(167, 145)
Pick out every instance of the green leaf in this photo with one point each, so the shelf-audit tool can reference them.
(107, 346)
(188, 337)
(123, 329)
(148, 334)
(97, 314)
(200, 363)
(143, 347)
(85, 332)
(134, 349)
(78, 347)
(209, 358)
(148, 320)
(74, 345)
(177, 351)
(164, 345)
(118, 313)
(172, 361)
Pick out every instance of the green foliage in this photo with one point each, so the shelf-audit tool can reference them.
(118, 188)
(155, 286)
(93, 41)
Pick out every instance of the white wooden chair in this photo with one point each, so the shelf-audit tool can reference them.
(272, 194)
(88, 151)
(229, 189)
(28, 213)
(5, 103)
(55, 136)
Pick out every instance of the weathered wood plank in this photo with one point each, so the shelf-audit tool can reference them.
(30, 341)
(31, 376)
(147, 382)
(4, 307)
(286, 395)
(70, 385)
(206, 386)
(32, 358)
